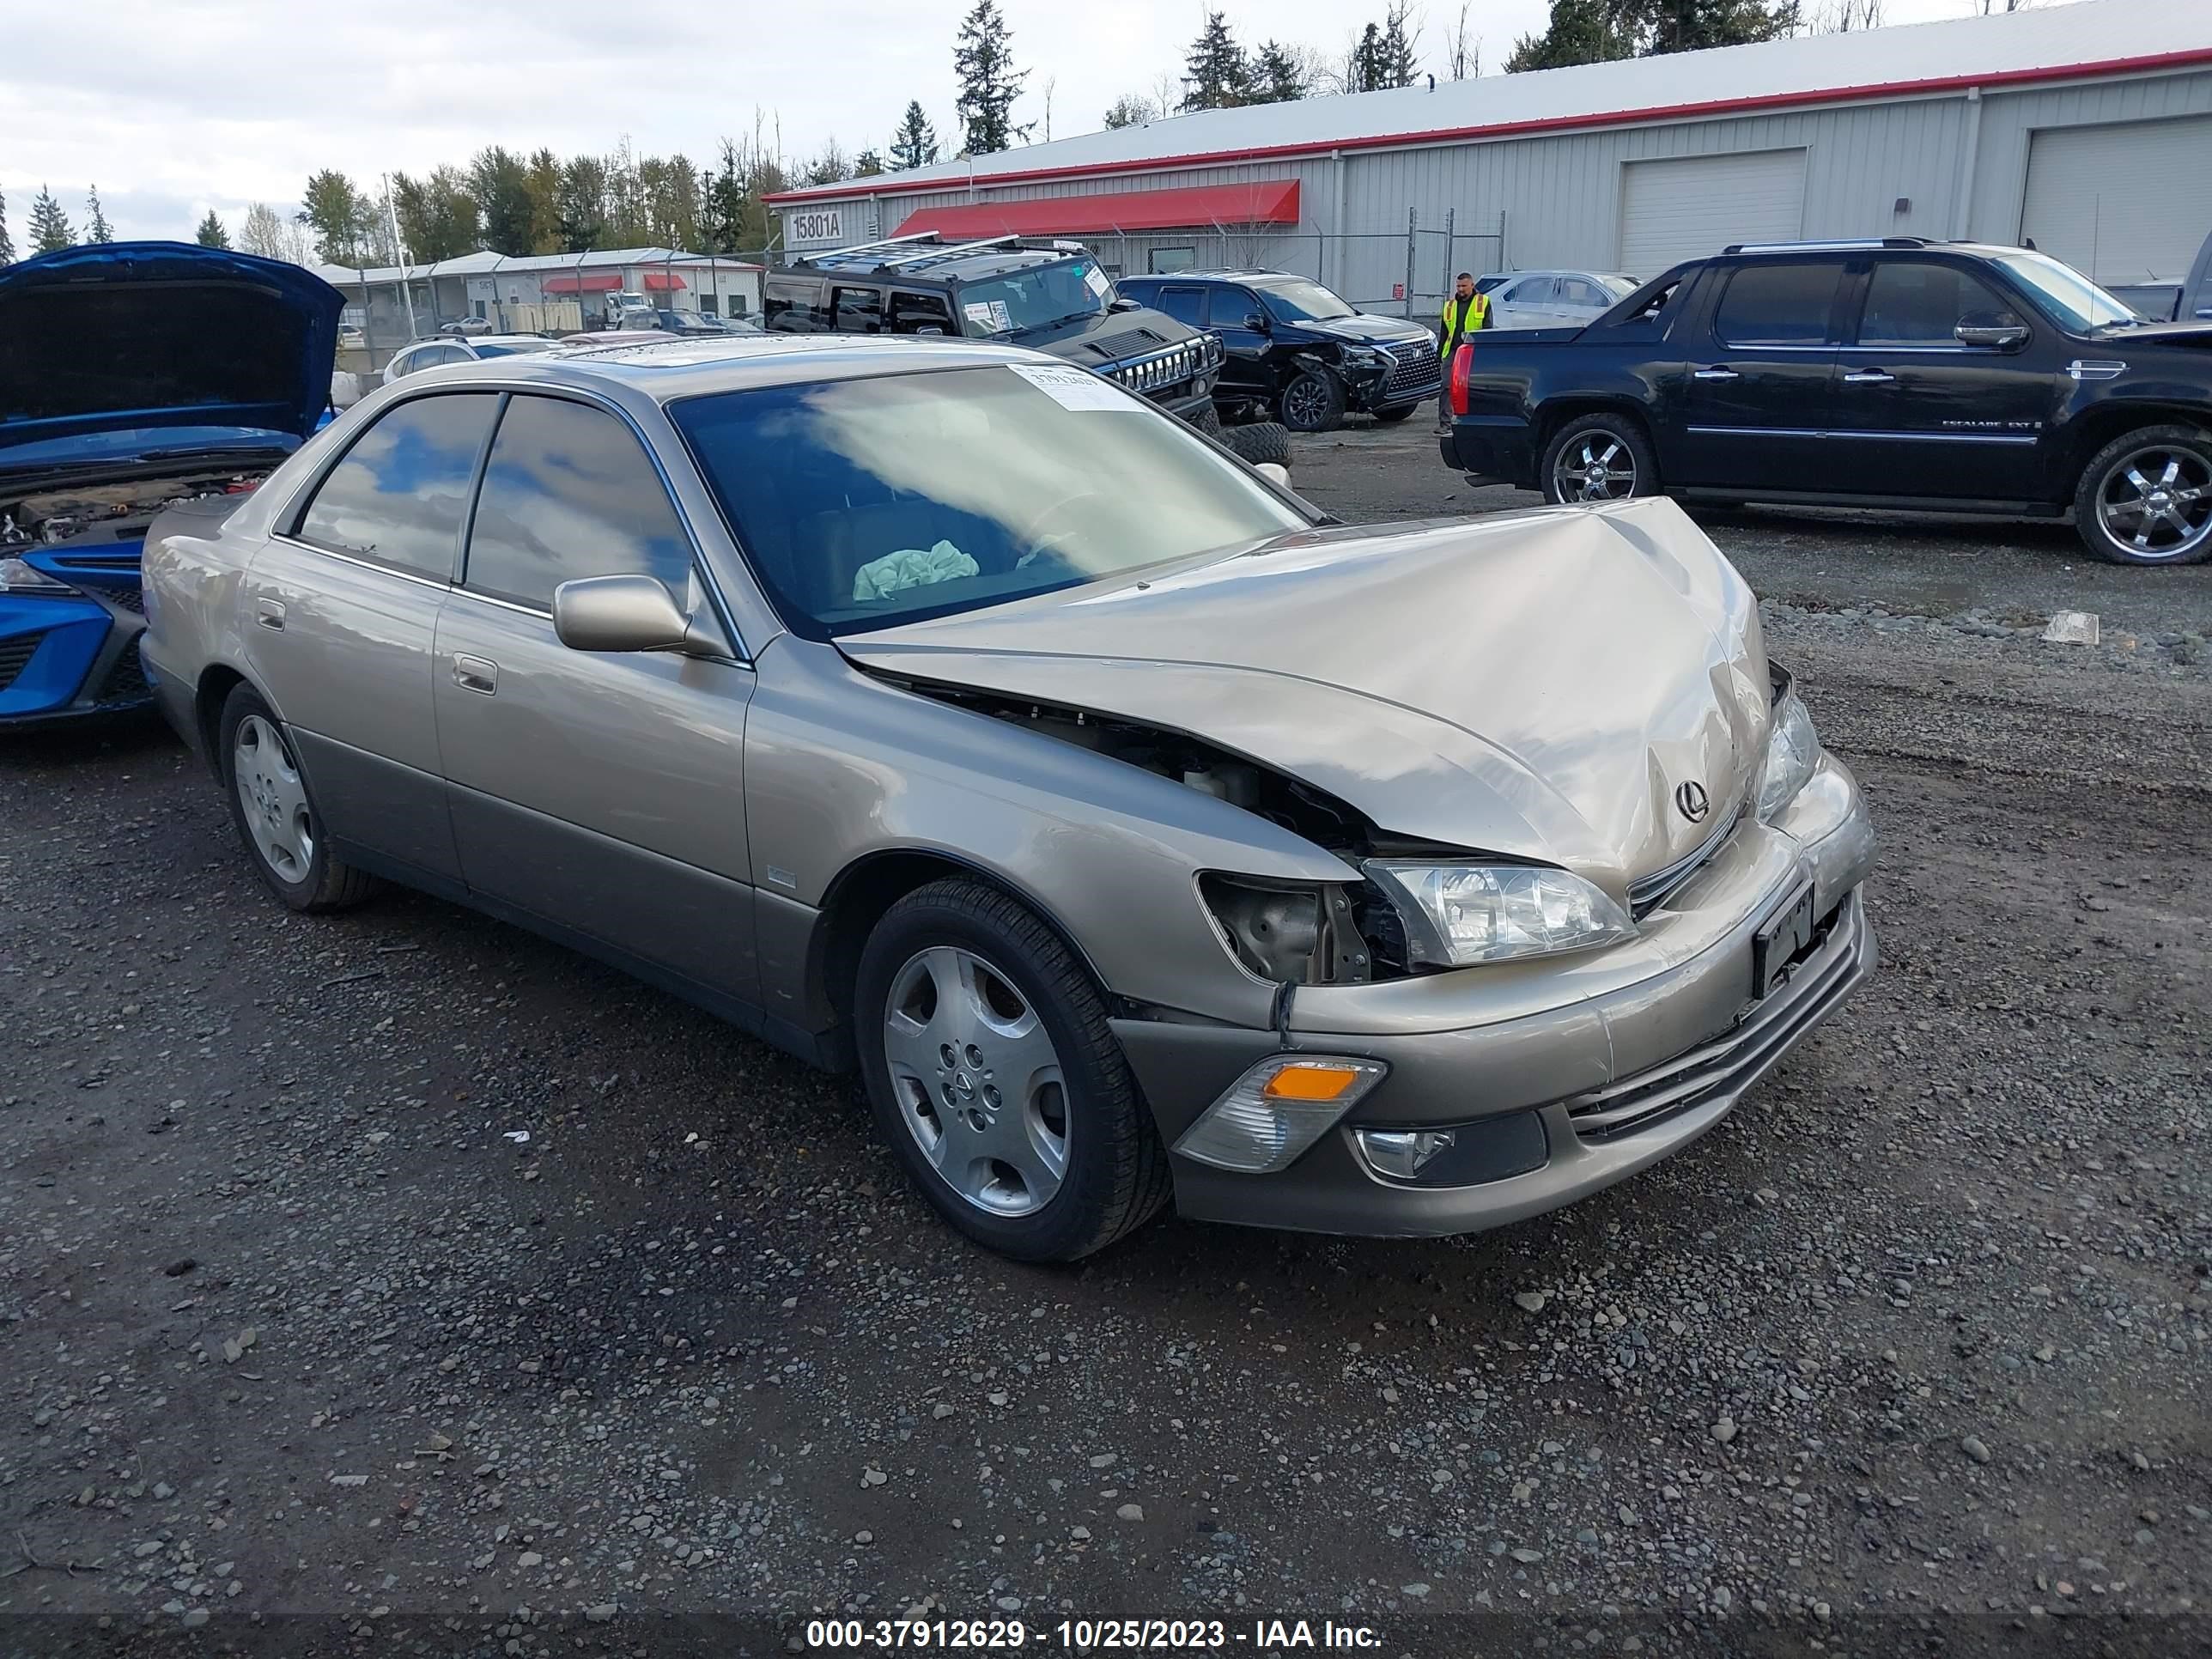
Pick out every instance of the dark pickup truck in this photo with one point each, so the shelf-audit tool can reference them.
(1946, 376)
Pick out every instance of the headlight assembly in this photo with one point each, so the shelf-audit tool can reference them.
(17, 577)
(1457, 916)
(1793, 749)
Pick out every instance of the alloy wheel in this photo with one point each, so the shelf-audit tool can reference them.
(1305, 403)
(978, 1082)
(1594, 467)
(274, 799)
(2157, 502)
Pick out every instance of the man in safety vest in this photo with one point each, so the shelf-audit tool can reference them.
(1464, 313)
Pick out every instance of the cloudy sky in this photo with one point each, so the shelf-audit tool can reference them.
(172, 108)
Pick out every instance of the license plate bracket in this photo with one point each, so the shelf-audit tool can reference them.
(1784, 936)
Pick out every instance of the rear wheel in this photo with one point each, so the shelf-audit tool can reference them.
(1599, 457)
(1263, 441)
(1314, 402)
(2145, 497)
(275, 814)
(996, 1079)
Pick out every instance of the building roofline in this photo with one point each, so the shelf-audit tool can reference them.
(890, 183)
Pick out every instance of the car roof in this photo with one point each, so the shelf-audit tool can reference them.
(666, 370)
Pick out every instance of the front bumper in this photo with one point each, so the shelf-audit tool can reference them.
(1552, 1104)
(69, 656)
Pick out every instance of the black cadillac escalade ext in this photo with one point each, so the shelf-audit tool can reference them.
(1949, 376)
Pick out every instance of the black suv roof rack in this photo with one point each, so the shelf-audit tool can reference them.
(925, 250)
(1848, 245)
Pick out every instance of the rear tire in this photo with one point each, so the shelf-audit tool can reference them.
(275, 812)
(1598, 458)
(1313, 402)
(2145, 497)
(960, 969)
(1263, 441)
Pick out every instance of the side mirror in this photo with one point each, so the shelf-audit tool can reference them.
(628, 613)
(1989, 332)
(1275, 471)
(1256, 321)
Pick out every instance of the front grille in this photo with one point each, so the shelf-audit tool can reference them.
(132, 599)
(15, 652)
(1647, 893)
(1415, 370)
(1729, 1062)
(1165, 370)
(125, 681)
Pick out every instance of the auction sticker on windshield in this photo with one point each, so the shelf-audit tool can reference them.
(1075, 388)
(1095, 280)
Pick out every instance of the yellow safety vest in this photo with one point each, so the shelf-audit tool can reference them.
(1464, 317)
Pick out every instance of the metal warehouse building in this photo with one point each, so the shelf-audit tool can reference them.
(2087, 128)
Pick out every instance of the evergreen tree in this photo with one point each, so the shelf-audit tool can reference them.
(1278, 76)
(983, 60)
(868, 163)
(1580, 31)
(1692, 25)
(7, 242)
(579, 204)
(1597, 31)
(1215, 71)
(914, 144)
(726, 201)
(50, 231)
(1395, 59)
(1368, 61)
(97, 227)
(211, 233)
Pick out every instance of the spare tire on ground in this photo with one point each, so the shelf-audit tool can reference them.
(1263, 441)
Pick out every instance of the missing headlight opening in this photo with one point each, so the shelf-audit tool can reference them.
(1333, 934)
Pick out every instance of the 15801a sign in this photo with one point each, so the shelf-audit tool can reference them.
(817, 225)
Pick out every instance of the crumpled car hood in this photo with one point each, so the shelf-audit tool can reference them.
(1536, 684)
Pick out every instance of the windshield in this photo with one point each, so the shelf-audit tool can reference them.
(2072, 298)
(1619, 287)
(866, 503)
(1302, 302)
(1032, 299)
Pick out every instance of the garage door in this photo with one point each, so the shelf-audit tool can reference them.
(1693, 206)
(2110, 201)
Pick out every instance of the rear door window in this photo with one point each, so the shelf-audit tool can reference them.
(399, 496)
(1184, 301)
(1779, 304)
(1535, 291)
(569, 492)
(858, 310)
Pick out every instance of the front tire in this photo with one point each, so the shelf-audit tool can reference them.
(2145, 497)
(276, 814)
(996, 1079)
(1599, 457)
(1313, 402)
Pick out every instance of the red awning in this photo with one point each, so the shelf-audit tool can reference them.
(589, 282)
(1275, 202)
(660, 281)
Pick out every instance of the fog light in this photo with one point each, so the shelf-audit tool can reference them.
(1403, 1152)
(1277, 1109)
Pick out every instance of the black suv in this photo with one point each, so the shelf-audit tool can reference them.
(1051, 297)
(1950, 376)
(1296, 351)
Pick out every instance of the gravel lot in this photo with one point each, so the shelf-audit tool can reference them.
(301, 1343)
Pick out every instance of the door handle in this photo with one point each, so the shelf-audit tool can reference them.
(479, 674)
(270, 613)
(1870, 377)
(1714, 375)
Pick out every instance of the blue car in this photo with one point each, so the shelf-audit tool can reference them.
(133, 375)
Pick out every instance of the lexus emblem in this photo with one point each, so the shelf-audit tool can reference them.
(1694, 802)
